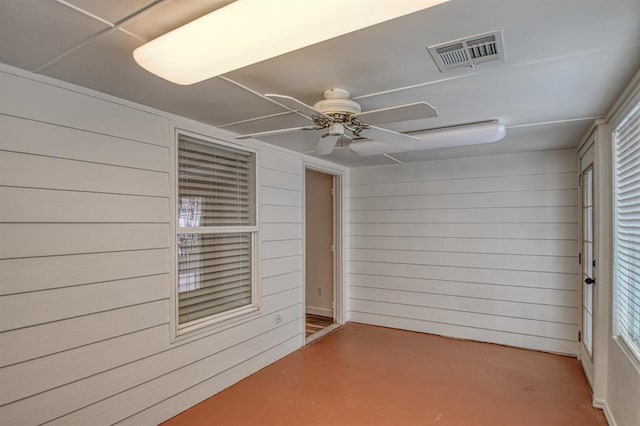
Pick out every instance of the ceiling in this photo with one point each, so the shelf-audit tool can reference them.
(566, 63)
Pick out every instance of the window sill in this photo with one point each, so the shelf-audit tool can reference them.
(214, 325)
(633, 359)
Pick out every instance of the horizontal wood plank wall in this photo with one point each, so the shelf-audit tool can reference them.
(85, 263)
(482, 248)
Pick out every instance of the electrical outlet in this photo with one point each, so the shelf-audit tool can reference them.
(319, 291)
(278, 319)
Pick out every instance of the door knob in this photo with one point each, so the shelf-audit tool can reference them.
(589, 280)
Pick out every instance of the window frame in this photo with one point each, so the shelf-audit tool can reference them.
(632, 348)
(231, 317)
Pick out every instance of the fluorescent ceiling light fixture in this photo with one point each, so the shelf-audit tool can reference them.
(472, 134)
(249, 31)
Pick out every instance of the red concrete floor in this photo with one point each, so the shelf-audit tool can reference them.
(366, 375)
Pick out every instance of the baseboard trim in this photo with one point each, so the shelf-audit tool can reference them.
(323, 312)
(608, 415)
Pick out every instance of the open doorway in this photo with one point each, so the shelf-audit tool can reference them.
(321, 235)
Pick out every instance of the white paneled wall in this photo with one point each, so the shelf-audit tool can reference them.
(482, 248)
(85, 264)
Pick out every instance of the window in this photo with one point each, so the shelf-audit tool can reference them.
(216, 232)
(627, 230)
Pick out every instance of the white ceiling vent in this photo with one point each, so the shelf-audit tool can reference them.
(469, 51)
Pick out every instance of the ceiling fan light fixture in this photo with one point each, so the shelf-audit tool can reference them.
(336, 129)
(249, 31)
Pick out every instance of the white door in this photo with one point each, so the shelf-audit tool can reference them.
(587, 260)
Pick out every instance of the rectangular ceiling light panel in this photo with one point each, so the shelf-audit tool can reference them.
(249, 31)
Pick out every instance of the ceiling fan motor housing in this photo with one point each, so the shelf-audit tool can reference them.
(337, 102)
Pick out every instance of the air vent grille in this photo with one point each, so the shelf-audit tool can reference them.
(453, 54)
(468, 52)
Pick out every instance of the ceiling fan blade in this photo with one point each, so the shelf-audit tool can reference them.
(383, 142)
(415, 111)
(274, 132)
(367, 148)
(461, 135)
(326, 144)
(297, 105)
(390, 137)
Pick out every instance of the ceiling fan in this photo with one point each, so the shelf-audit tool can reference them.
(343, 118)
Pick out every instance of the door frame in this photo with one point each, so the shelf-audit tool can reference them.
(338, 254)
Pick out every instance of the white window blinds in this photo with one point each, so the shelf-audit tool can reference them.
(627, 230)
(214, 274)
(216, 229)
(216, 185)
